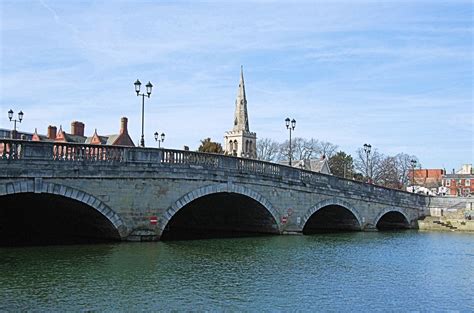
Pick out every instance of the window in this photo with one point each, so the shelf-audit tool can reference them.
(459, 182)
(448, 182)
(467, 182)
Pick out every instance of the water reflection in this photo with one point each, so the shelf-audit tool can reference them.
(355, 271)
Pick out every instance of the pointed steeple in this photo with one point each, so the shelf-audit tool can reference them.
(241, 120)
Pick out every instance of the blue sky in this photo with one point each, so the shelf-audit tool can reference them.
(395, 74)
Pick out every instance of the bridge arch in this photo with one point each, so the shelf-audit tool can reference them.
(218, 189)
(392, 218)
(41, 188)
(332, 202)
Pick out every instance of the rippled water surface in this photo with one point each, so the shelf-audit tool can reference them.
(394, 271)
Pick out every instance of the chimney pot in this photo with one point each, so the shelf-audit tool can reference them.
(52, 132)
(77, 128)
(123, 125)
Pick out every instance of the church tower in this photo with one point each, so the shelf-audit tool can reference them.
(240, 141)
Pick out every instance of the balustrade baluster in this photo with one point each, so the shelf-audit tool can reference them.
(6, 152)
(2, 150)
(68, 153)
(11, 151)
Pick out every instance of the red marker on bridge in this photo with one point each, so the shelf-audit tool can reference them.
(153, 220)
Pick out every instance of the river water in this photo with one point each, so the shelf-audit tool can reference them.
(376, 271)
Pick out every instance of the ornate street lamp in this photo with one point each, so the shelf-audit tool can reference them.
(290, 125)
(367, 148)
(10, 117)
(413, 164)
(148, 86)
(159, 138)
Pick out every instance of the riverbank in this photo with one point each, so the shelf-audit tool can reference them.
(440, 223)
(449, 214)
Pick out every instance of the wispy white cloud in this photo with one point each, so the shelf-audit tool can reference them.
(350, 72)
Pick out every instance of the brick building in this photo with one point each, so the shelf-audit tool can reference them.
(428, 178)
(460, 183)
(77, 135)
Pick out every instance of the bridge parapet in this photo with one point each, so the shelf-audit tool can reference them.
(58, 152)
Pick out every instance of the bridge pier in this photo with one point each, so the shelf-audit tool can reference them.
(126, 188)
(369, 228)
(142, 235)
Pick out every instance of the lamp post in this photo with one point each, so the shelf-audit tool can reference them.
(159, 138)
(367, 148)
(413, 164)
(148, 86)
(290, 125)
(10, 117)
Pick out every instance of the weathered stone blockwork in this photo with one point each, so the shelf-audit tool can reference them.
(141, 183)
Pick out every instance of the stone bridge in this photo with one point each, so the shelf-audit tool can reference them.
(67, 191)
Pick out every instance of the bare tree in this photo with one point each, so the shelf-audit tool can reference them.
(326, 148)
(306, 148)
(388, 171)
(284, 149)
(404, 167)
(313, 148)
(388, 175)
(301, 149)
(267, 150)
(370, 167)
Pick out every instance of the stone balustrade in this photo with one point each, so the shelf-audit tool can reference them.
(14, 150)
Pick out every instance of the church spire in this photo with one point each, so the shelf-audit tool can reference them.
(241, 120)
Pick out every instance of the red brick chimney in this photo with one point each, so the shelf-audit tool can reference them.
(77, 128)
(52, 132)
(124, 125)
